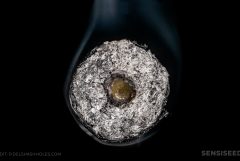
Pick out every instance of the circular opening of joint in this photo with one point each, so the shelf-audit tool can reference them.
(120, 89)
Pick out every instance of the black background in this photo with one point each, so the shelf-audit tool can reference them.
(41, 39)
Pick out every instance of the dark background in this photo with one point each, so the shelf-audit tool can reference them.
(40, 40)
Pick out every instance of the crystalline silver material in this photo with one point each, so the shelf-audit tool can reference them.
(89, 99)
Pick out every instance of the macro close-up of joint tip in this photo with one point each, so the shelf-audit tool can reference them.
(119, 92)
(120, 78)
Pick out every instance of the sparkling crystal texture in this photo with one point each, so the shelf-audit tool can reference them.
(90, 100)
